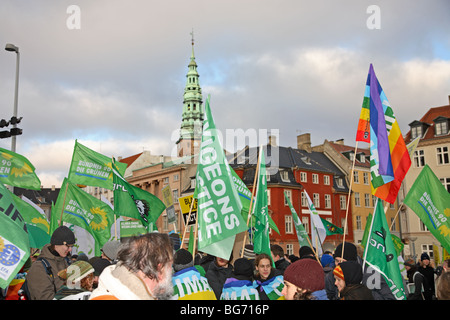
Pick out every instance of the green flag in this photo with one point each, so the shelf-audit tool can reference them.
(302, 235)
(429, 199)
(261, 239)
(245, 195)
(77, 207)
(219, 207)
(14, 242)
(134, 202)
(91, 168)
(380, 252)
(17, 171)
(331, 228)
(36, 221)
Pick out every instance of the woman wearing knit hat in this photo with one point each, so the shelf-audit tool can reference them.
(304, 280)
(79, 278)
(348, 277)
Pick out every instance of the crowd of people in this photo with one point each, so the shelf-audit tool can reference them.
(150, 267)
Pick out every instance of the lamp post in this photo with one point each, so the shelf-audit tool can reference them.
(13, 48)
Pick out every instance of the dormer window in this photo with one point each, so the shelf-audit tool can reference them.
(284, 176)
(416, 132)
(441, 126)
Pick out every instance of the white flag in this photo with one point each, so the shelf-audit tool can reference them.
(318, 231)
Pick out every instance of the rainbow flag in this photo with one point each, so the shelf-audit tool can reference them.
(389, 157)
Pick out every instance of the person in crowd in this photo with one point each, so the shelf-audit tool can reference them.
(278, 257)
(239, 286)
(143, 270)
(428, 272)
(42, 278)
(304, 280)
(416, 281)
(327, 262)
(218, 271)
(99, 264)
(443, 286)
(268, 280)
(109, 250)
(305, 252)
(79, 277)
(348, 275)
(188, 280)
(350, 254)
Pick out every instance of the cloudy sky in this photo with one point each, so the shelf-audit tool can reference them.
(115, 82)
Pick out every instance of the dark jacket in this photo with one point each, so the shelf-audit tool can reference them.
(41, 285)
(216, 277)
(281, 265)
(356, 292)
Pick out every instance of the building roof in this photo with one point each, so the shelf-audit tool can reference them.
(43, 196)
(428, 118)
(346, 150)
(129, 160)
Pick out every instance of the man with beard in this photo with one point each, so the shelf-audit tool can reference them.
(143, 270)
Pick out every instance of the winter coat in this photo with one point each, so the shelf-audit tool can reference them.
(116, 282)
(41, 285)
(216, 277)
(281, 265)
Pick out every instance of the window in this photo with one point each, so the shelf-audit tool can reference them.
(358, 223)
(193, 183)
(176, 177)
(268, 197)
(419, 158)
(441, 128)
(316, 200)
(289, 248)
(366, 178)
(339, 182)
(428, 248)
(357, 200)
(342, 202)
(305, 222)
(284, 176)
(362, 158)
(303, 177)
(446, 183)
(367, 200)
(166, 180)
(304, 201)
(315, 178)
(289, 196)
(422, 226)
(355, 177)
(393, 224)
(327, 201)
(416, 132)
(288, 224)
(326, 180)
(175, 195)
(442, 155)
(374, 201)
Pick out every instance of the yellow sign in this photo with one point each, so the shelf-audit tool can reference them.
(185, 204)
(167, 196)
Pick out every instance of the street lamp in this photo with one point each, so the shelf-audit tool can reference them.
(13, 48)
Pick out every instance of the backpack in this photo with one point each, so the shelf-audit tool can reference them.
(24, 292)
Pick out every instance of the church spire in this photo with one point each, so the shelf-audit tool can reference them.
(192, 116)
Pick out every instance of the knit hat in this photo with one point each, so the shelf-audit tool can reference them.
(306, 274)
(99, 264)
(182, 259)
(326, 260)
(110, 249)
(350, 252)
(424, 256)
(248, 252)
(62, 235)
(76, 271)
(349, 271)
(243, 267)
(305, 251)
(410, 263)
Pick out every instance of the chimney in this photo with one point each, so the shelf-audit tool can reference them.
(304, 142)
(273, 140)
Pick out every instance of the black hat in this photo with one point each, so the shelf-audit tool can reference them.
(350, 252)
(305, 251)
(182, 259)
(62, 235)
(99, 264)
(243, 267)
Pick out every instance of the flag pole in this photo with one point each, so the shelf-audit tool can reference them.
(251, 203)
(64, 203)
(369, 235)
(393, 221)
(348, 200)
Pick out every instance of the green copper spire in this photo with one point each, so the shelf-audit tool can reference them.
(192, 117)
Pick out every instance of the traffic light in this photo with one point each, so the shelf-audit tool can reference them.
(4, 123)
(5, 134)
(14, 120)
(15, 131)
